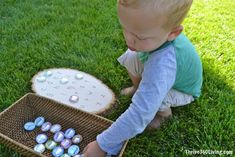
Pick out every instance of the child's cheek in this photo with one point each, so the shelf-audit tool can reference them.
(146, 45)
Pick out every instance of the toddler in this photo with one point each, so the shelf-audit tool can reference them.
(162, 63)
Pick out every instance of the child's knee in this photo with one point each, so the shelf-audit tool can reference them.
(175, 98)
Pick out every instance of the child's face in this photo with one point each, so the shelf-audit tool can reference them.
(142, 30)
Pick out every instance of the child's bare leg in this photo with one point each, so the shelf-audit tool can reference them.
(160, 117)
(129, 91)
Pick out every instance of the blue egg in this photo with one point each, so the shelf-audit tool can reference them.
(40, 148)
(69, 133)
(59, 136)
(73, 150)
(29, 126)
(41, 79)
(41, 138)
(57, 151)
(79, 76)
(46, 126)
(55, 128)
(65, 155)
(48, 73)
(39, 121)
(64, 80)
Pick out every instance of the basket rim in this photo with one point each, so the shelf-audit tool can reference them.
(35, 94)
(12, 105)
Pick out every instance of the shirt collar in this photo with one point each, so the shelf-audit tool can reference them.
(164, 45)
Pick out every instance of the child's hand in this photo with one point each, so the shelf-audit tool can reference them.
(93, 150)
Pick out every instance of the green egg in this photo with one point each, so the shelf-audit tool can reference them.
(50, 144)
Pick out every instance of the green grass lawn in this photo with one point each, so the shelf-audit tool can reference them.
(86, 35)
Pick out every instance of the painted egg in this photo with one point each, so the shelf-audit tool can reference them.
(64, 80)
(29, 126)
(59, 136)
(77, 139)
(55, 128)
(74, 98)
(40, 148)
(48, 73)
(41, 138)
(50, 144)
(78, 155)
(65, 155)
(66, 143)
(41, 79)
(79, 76)
(73, 150)
(46, 126)
(69, 133)
(39, 121)
(57, 151)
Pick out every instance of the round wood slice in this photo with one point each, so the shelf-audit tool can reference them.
(61, 84)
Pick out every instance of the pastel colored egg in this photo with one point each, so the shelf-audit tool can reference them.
(59, 136)
(39, 121)
(79, 76)
(48, 73)
(73, 150)
(64, 80)
(57, 151)
(29, 126)
(65, 155)
(46, 126)
(39, 148)
(55, 128)
(78, 155)
(66, 143)
(69, 133)
(77, 139)
(50, 144)
(74, 98)
(41, 138)
(41, 79)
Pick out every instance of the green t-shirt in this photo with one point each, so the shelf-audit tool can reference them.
(189, 67)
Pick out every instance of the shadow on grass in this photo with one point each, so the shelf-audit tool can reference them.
(206, 124)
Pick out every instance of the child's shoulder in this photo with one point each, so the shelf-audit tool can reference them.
(183, 44)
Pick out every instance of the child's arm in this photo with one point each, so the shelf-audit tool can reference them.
(157, 79)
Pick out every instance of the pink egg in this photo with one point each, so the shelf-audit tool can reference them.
(66, 143)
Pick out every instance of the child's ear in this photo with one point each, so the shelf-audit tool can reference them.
(175, 32)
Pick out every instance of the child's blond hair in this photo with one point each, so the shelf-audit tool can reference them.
(174, 10)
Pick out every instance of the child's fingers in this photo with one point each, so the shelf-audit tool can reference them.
(84, 151)
(85, 155)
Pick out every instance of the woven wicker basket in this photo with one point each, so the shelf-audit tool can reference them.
(31, 106)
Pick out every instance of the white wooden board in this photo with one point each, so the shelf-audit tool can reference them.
(62, 84)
